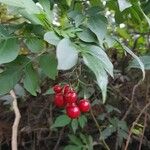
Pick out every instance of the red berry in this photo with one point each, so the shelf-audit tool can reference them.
(59, 100)
(66, 89)
(84, 105)
(73, 111)
(57, 88)
(71, 97)
(70, 105)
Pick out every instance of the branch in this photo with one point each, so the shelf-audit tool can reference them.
(132, 100)
(99, 128)
(142, 137)
(134, 123)
(16, 121)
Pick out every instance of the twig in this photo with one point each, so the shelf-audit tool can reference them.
(145, 141)
(140, 33)
(134, 123)
(16, 121)
(59, 139)
(145, 124)
(146, 114)
(132, 99)
(99, 129)
(117, 141)
(128, 100)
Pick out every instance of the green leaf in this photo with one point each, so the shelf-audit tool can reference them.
(100, 54)
(83, 137)
(8, 79)
(72, 147)
(48, 63)
(3, 32)
(95, 65)
(90, 142)
(19, 90)
(123, 33)
(107, 132)
(31, 82)
(98, 25)
(123, 125)
(61, 121)
(51, 38)
(102, 116)
(75, 140)
(74, 125)
(12, 74)
(86, 35)
(137, 131)
(111, 108)
(121, 135)
(82, 121)
(135, 14)
(147, 7)
(110, 41)
(27, 8)
(9, 50)
(135, 57)
(34, 44)
(96, 9)
(67, 54)
(49, 92)
(28, 5)
(114, 121)
(46, 6)
(31, 17)
(146, 17)
(79, 20)
(124, 4)
(145, 59)
(88, 92)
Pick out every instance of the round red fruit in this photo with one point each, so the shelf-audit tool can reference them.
(84, 105)
(57, 88)
(73, 111)
(71, 97)
(59, 100)
(70, 105)
(66, 89)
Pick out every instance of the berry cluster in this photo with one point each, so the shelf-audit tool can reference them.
(67, 97)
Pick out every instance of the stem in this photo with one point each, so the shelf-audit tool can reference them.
(132, 99)
(16, 121)
(99, 129)
(134, 123)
